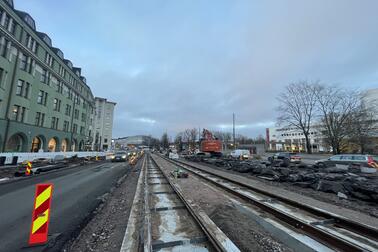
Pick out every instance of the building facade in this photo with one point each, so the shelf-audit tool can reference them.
(292, 139)
(139, 140)
(45, 103)
(103, 124)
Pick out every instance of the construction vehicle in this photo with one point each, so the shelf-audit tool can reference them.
(209, 144)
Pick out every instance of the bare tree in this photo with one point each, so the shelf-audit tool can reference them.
(179, 142)
(363, 124)
(298, 107)
(190, 136)
(337, 107)
(165, 141)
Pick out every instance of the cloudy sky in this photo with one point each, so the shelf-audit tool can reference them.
(172, 65)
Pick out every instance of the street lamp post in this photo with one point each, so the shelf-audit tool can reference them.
(233, 128)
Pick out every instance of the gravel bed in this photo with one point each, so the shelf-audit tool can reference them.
(242, 230)
(106, 229)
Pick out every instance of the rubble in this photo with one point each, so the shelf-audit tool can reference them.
(342, 181)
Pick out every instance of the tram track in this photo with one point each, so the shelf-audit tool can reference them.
(332, 230)
(173, 222)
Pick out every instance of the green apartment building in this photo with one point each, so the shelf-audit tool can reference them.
(45, 103)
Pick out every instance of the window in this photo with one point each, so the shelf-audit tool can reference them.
(48, 59)
(76, 114)
(39, 119)
(57, 103)
(45, 76)
(20, 85)
(74, 128)
(70, 94)
(31, 43)
(22, 88)
(59, 87)
(6, 21)
(360, 158)
(18, 113)
(3, 46)
(68, 110)
(2, 77)
(66, 125)
(82, 130)
(335, 158)
(29, 67)
(54, 122)
(23, 62)
(42, 98)
(12, 27)
(83, 117)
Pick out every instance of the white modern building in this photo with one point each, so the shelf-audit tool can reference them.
(128, 141)
(103, 124)
(292, 139)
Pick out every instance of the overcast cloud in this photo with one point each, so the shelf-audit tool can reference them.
(172, 65)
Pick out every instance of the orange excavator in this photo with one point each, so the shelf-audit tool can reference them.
(210, 144)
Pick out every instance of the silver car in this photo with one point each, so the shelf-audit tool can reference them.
(356, 160)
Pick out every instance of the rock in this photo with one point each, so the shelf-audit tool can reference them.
(342, 195)
(284, 171)
(333, 177)
(310, 177)
(285, 163)
(330, 186)
(360, 195)
(294, 178)
(268, 171)
(336, 169)
(245, 169)
(303, 184)
(257, 169)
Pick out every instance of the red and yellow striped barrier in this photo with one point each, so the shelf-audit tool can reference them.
(28, 168)
(41, 214)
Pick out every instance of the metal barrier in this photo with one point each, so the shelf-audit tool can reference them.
(19, 157)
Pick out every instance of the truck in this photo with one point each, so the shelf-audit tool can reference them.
(209, 144)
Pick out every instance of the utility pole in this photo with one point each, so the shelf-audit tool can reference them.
(233, 129)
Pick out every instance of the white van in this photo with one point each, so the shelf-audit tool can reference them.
(244, 154)
(173, 155)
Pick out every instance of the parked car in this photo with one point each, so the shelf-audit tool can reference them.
(242, 154)
(173, 155)
(286, 156)
(356, 160)
(120, 156)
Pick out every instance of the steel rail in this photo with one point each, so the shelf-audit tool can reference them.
(321, 235)
(218, 239)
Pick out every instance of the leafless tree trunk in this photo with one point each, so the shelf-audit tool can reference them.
(179, 141)
(298, 106)
(165, 141)
(363, 124)
(190, 136)
(337, 107)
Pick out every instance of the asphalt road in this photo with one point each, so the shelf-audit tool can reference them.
(76, 194)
